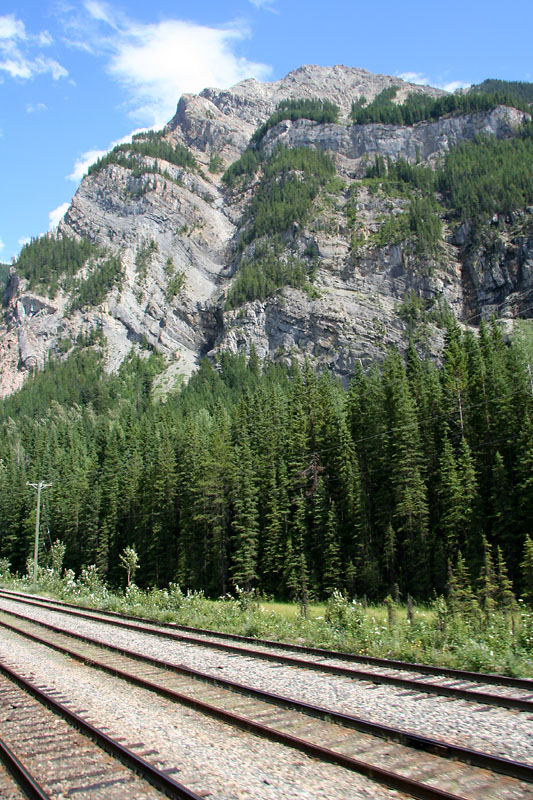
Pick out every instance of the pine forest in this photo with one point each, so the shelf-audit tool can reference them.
(280, 480)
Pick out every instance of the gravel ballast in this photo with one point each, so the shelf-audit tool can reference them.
(213, 759)
(8, 789)
(498, 731)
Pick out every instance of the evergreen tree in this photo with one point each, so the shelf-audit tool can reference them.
(460, 594)
(502, 515)
(455, 379)
(332, 578)
(524, 481)
(527, 571)
(451, 505)
(488, 589)
(469, 493)
(410, 510)
(203, 487)
(368, 424)
(389, 556)
(505, 598)
(110, 503)
(159, 550)
(244, 524)
(296, 573)
(274, 528)
(91, 521)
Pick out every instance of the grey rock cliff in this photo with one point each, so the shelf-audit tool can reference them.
(223, 120)
(355, 146)
(188, 224)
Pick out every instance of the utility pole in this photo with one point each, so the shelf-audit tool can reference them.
(39, 486)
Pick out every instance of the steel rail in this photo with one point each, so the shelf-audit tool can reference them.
(23, 778)
(515, 769)
(471, 695)
(491, 678)
(156, 777)
(387, 778)
(340, 655)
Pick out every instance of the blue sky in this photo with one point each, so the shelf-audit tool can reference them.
(77, 76)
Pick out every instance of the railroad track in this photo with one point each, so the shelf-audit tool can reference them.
(52, 751)
(421, 767)
(22, 777)
(513, 693)
(423, 669)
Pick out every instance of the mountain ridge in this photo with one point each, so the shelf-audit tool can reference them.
(178, 232)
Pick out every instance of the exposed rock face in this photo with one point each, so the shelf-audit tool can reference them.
(11, 290)
(356, 315)
(184, 220)
(498, 274)
(355, 146)
(175, 230)
(223, 121)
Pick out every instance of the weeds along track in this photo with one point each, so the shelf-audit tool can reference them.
(485, 688)
(53, 751)
(419, 766)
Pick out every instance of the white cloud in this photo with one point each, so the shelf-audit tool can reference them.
(11, 28)
(31, 108)
(24, 240)
(422, 80)
(49, 65)
(156, 63)
(83, 163)
(101, 12)
(128, 137)
(55, 216)
(25, 68)
(19, 52)
(44, 39)
(414, 77)
(2, 245)
(267, 5)
(454, 85)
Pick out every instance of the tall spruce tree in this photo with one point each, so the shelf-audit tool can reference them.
(410, 509)
(527, 571)
(332, 577)
(244, 524)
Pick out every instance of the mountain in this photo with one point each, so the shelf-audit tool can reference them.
(334, 224)
(322, 217)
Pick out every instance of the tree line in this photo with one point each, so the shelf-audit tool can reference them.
(291, 179)
(322, 111)
(476, 180)
(4, 276)
(46, 259)
(517, 90)
(149, 143)
(275, 478)
(419, 107)
(270, 268)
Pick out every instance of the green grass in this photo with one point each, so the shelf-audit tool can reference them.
(466, 638)
(317, 611)
(291, 611)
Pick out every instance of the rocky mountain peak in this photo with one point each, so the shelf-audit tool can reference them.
(225, 119)
(336, 283)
